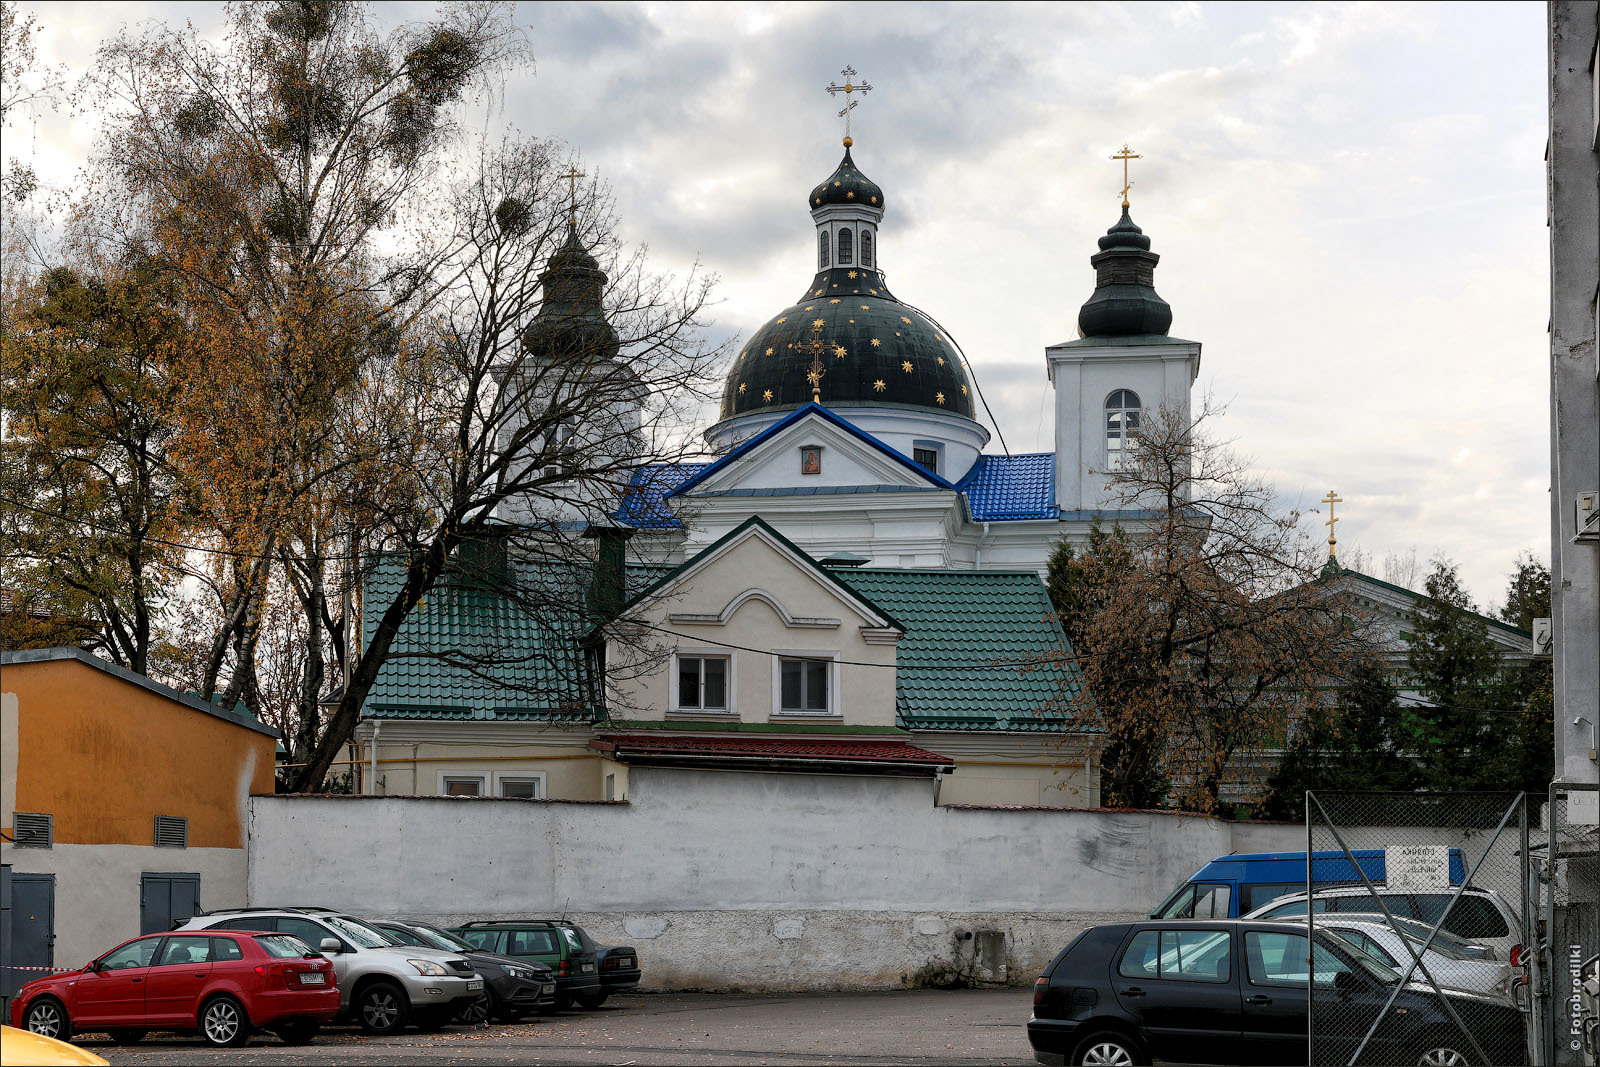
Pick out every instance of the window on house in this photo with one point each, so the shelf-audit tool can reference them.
(525, 786)
(803, 685)
(846, 247)
(866, 248)
(461, 785)
(927, 459)
(1122, 426)
(822, 250)
(703, 683)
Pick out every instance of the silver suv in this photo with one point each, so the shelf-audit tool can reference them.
(381, 984)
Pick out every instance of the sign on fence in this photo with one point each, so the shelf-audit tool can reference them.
(1418, 868)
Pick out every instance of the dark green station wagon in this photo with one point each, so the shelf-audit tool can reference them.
(563, 947)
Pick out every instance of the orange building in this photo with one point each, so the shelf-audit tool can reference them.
(123, 803)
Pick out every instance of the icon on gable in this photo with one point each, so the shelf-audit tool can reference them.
(811, 459)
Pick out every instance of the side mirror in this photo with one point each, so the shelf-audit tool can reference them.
(331, 944)
(1346, 982)
(92, 966)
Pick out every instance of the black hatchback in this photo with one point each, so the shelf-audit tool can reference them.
(1236, 992)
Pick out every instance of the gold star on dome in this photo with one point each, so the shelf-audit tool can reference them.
(879, 385)
(766, 395)
(819, 199)
(939, 335)
(852, 274)
(874, 292)
(784, 319)
(816, 322)
(941, 360)
(838, 351)
(850, 196)
(741, 355)
(742, 386)
(876, 343)
(938, 397)
(769, 351)
(810, 306)
(852, 322)
(873, 199)
(864, 307)
(814, 376)
(906, 366)
(905, 320)
(835, 183)
(833, 301)
(963, 390)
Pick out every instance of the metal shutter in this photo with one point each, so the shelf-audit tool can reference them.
(34, 830)
(172, 832)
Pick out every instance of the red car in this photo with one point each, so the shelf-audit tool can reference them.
(224, 983)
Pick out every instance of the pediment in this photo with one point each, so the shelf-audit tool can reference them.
(845, 458)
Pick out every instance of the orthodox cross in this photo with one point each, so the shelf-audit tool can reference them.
(1126, 155)
(1331, 499)
(850, 86)
(816, 346)
(572, 176)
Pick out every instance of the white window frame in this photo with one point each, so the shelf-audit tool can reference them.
(1117, 457)
(730, 681)
(835, 691)
(446, 776)
(536, 777)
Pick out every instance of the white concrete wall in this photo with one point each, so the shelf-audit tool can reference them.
(750, 881)
(97, 888)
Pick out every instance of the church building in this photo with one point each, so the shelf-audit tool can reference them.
(849, 584)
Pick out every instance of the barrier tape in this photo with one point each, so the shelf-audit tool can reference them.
(48, 970)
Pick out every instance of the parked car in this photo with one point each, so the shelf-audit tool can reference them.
(20, 1046)
(1232, 991)
(511, 987)
(559, 945)
(619, 969)
(225, 984)
(1480, 915)
(1467, 950)
(1231, 886)
(381, 985)
(1448, 968)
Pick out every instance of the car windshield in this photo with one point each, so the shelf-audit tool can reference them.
(285, 946)
(358, 931)
(442, 939)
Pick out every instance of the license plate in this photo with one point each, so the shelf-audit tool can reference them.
(588, 968)
(625, 962)
(313, 978)
(549, 987)
(475, 985)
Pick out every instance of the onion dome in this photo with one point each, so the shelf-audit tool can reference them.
(571, 323)
(846, 185)
(1124, 303)
(871, 349)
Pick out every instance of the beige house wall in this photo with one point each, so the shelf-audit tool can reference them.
(756, 597)
(1027, 770)
(415, 757)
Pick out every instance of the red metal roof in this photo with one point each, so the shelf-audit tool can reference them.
(769, 748)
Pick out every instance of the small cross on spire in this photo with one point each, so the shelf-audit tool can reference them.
(1126, 155)
(572, 175)
(850, 86)
(1331, 499)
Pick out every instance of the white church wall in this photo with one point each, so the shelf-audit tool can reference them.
(728, 880)
(958, 439)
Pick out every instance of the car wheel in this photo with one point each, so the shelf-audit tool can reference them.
(1441, 1054)
(382, 1008)
(48, 1018)
(1107, 1050)
(299, 1033)
(127, 1037)
(480, 1010)
(592, 1000)
(223, 1023)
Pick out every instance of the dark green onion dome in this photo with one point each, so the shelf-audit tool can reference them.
(876, 352)
(1124, 303)
(571, 323)
(846, 185)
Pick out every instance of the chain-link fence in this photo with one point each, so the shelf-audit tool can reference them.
(1419, 910)
(1571, 871)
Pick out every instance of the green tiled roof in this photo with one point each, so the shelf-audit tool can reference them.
(471, 652)
(974, 650)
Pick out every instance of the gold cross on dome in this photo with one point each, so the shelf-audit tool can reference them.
(1126, 155)
(1331, 499)
(850, 86)
(816, 346)
(572, 175)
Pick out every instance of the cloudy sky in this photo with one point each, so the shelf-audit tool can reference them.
(1348, 200)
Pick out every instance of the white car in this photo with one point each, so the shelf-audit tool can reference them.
(1447, 967)
(1481, 915)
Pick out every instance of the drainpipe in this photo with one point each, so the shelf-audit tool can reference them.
(977, 557)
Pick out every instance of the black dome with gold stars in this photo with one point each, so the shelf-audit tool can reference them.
(872, 349)
(846, 185)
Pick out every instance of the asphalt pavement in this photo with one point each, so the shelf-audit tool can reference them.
(941, 1027)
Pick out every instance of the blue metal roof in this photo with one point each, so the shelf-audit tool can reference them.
(644, 503)
(1001, 488)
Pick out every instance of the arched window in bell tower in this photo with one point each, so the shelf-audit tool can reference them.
(866, 248)
(822, 250)
(1122, 426)
(846, 251)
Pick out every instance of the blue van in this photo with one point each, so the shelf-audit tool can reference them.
(1231, 886)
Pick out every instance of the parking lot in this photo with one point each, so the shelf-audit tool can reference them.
(914, 1027)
